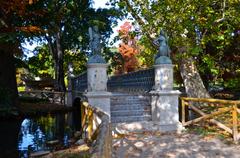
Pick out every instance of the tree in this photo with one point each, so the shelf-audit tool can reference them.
(128, 48)
(41, 64)
(63, 24)
(66, 30)
(191, 26)
(12, 30)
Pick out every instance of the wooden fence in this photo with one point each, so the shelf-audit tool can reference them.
(214, 111)
(96, 129)
(49, 96)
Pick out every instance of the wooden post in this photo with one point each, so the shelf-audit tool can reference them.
(183, 111)
(235, 123)
(82, 114)
(90, 123)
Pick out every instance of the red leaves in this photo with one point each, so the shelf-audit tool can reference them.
(125, 28)
(128, 48)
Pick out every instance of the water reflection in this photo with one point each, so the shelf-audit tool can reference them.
(36, 134)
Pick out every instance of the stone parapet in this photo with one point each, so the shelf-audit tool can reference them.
(133, 82)
(100, 100)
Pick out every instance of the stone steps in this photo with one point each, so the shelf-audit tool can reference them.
(120, 119)
(130, 108)
(130, 112)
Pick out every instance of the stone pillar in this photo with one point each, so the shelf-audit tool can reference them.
(164, 102)
(97, 74)
(163, 77)
(97, 86)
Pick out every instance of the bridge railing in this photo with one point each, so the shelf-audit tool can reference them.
(79, 83)
(139, 81)
(96, 128)
(46, 96)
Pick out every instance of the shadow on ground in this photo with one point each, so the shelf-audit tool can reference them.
(147, 144)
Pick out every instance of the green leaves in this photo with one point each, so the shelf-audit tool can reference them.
(41, 65)
(196, 50)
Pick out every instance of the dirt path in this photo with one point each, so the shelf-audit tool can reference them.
(148, 143)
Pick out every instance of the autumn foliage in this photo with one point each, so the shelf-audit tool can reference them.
(12, 8)
(128, 49)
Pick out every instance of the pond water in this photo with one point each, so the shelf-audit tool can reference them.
(41, 133)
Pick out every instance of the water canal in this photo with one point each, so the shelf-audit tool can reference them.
(49, 132)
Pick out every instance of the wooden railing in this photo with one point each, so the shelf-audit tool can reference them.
(211, 109)
(49, 96)
(96, 129)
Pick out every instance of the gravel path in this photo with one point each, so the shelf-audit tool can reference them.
(134, 140)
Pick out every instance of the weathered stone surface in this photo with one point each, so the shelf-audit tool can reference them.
(165, 109)
(100, 100)
(96, 59)
(97, 77)
(163, 77)
(97, 87)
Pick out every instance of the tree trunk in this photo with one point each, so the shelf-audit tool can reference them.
(57, 53)
(8, 85)
(59, 72)
(192, 80)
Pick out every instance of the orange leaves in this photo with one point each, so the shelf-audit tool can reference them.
(128, 48)
(125, 28)
(18, 6)
(127, 51)
(30, 29)
(129, 56)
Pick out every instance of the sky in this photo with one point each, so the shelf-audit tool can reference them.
(100, 3)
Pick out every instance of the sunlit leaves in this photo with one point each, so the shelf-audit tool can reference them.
(128, 48)
(41, 65)
(203, 29)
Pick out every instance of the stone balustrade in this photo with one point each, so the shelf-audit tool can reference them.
(139, 81)
(79, 83)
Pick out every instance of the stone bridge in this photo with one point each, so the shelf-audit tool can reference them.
(144, 95)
